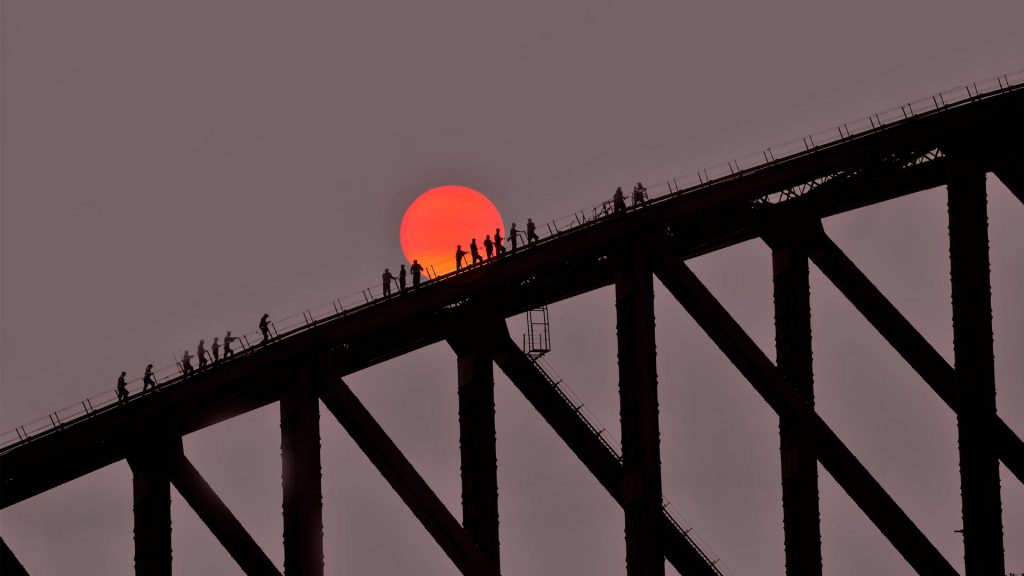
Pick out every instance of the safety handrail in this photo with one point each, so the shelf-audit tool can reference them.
(357, 301)
(556, 384)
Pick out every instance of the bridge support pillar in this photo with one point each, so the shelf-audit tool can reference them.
(800, 510)
(478, 442)
(151, 491)
(300, 474)
(638, 411)
(974, 370)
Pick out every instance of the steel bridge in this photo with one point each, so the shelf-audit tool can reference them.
(780, 200)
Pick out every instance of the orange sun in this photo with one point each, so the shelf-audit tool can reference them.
(443, 218)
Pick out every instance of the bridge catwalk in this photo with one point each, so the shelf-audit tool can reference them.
(781, 201)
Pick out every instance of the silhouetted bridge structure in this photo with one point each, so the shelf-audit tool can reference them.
(952, 140)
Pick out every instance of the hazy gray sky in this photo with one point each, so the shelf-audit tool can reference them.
(172, 171)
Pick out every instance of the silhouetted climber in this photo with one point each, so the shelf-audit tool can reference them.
(475, 252)
(416, 270)
(386, 279)
(201, 354)
(186, 364)
(122, 388)
(498, 247)
(147, 379)
(460, 254)
(401, 278)
(513, 236)
(265, 328)
(228, 339)
(531, 231)
(639, 194)
(489, 246)
(215, 348)
(619, 200)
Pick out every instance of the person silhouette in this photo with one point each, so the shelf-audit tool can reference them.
(215, 348)
(147, 379)
(531, 231)
(499, 248)
(619, 200)
(122, 388)
(513, 236)
(186, 364)
(401, 278)
(228, 339)
(386, 279)
(416, 270)
(460, 254)
(489, 246)
(639, 194)
(475, 252)
(201, 354)
(265, 328)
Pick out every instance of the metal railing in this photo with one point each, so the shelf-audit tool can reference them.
(573, 403)
(169, 374)
(743, 165)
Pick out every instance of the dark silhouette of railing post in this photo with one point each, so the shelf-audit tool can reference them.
(974, 369)
(800, 509)
(151, 492)
(478, 439)
(638, 410)
(300, 471)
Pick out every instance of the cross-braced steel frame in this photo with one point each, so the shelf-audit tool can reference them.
(782, 204)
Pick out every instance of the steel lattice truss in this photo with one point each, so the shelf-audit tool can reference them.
(781, 202)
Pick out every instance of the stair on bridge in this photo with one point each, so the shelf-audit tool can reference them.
(577, 410)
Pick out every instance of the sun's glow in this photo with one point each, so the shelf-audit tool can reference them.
(441, 219)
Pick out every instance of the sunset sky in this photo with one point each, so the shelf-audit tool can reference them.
(445, 219)
(174, 170)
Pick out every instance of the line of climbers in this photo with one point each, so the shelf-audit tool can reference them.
(149, 380)
(639, 197)
(494, 248)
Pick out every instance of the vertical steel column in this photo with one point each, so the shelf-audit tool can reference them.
(478, 442)
(974, 366)
(410, 486)
(300, 474)
(800, 511)
(151, 491)
(638, 411)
